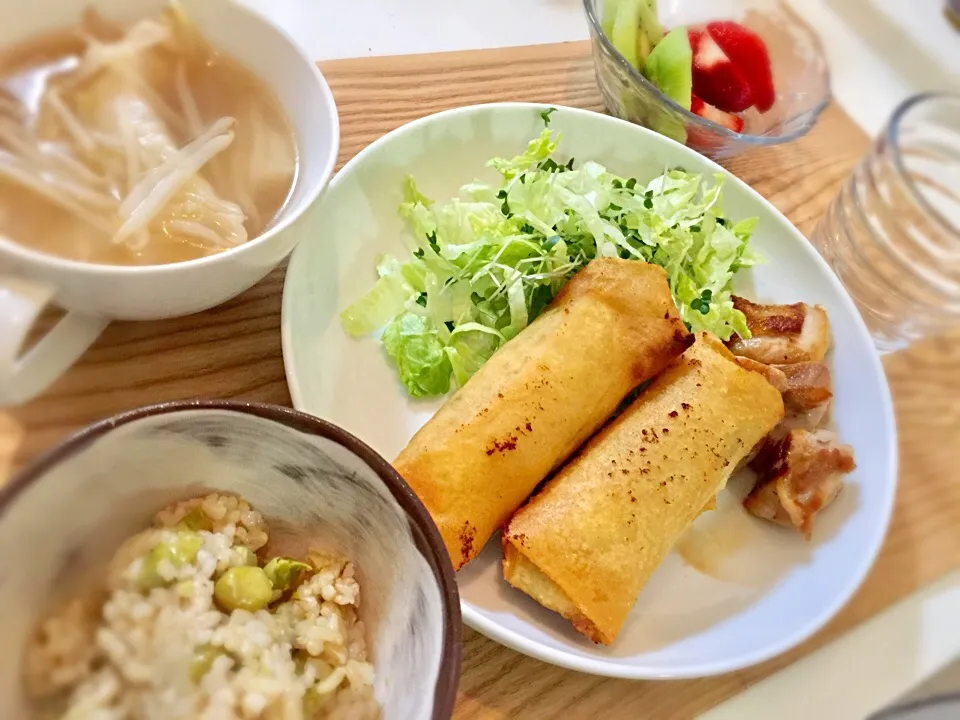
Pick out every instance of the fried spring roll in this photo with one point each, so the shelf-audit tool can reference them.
(613, 326)
(588, 542)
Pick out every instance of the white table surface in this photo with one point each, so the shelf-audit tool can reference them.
(880, 52)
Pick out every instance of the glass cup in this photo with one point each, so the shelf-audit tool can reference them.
(893, 234)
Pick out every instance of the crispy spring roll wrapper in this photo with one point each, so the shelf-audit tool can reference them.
(613, 326)
(587, 544)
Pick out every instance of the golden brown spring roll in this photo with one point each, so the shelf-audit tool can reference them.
(587, 544)
(613, 326)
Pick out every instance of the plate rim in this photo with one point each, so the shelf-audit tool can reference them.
(600, 666)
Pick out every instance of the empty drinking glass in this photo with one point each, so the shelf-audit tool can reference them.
(893, 234)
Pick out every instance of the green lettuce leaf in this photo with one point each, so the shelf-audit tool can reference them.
(415, 347)
(669, 66)
(537, 151)
(488, 261)
(377, 307)
(471, 345)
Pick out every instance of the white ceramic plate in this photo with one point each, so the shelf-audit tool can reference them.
(761, 589)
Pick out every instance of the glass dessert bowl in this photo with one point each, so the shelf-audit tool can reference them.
(797, 67)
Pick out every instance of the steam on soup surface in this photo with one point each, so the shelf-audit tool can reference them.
(137, 145)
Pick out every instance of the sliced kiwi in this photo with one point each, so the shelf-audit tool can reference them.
(650, 25)
(670, 66)
(668, 125)
(633, 27)
(626, 29)
(608, 15)
(643, 48)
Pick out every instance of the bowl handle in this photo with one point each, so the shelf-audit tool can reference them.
(24, 377)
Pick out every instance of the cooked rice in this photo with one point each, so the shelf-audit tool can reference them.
(223, 511)
(171, 652)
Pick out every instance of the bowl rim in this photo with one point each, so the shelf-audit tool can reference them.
(603, 666)
(589, 8)
(424, 531)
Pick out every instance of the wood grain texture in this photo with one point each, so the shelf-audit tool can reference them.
(234, 352)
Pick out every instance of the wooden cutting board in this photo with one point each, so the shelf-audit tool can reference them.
(234, 352)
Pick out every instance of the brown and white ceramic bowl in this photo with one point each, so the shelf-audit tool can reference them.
(62, 518)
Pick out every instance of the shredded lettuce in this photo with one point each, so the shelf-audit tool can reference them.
(487, 262)
(415, 346)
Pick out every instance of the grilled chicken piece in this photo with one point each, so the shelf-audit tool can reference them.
(782, 334)
(805, 388)
(807, 384)
(807, 394)
(799, 475)
(774, 375)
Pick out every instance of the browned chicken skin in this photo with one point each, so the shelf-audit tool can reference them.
(807, 384)
(782, 334)
(799, 474)
(806, 395)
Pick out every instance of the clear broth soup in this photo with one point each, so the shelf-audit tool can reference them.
(137, 145)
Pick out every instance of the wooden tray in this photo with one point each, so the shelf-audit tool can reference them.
(234, 352)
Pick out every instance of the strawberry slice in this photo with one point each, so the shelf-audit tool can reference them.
(716, 79)
(695, 36)
(748, 53)
(709, 112)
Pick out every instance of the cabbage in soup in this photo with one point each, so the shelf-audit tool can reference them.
(137, 146)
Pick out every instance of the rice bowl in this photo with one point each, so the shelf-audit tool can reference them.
(134, 598)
